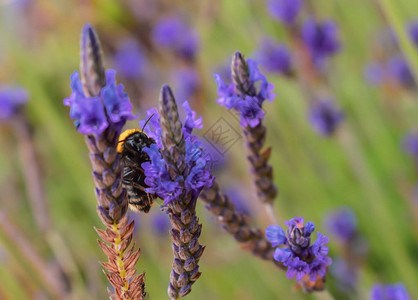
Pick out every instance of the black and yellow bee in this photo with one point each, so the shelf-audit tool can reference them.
(131, 143)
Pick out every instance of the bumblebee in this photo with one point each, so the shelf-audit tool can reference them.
(131, 143)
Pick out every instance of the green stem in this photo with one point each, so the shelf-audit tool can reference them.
(323, 295)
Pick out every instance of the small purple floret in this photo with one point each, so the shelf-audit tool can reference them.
(318, 267)
(283, 255)
(191, 121)
(319, 248)
(116, 102)
(297, 268)
(276, 235)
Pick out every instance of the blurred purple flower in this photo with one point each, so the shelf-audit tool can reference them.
(341, 223)
(173, 33)
(413, 31)
(160, 223)
(285, 11)
(410, 143)
(325, 117)
(345, 274)
(274, 57)
(321, 38)
(239, 199)
(399, 69)
(389, 292)
(11, 99)
(188, 82)
(129, 60)
(374, 73)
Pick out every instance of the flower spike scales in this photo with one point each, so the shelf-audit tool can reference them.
(177, 172)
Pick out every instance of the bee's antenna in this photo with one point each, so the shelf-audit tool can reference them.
(146, 122)
(121, 141)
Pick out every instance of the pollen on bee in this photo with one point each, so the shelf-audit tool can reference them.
(123, 136)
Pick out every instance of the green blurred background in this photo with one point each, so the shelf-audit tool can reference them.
(363, 166)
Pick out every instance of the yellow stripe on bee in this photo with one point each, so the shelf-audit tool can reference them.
(123, 136)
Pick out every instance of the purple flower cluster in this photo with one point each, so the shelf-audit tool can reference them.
(173, 33)
(342, 224)
(297, 254)
(389, 292)
(285, 11)
(321, 38)
(197, 161)
(93, 115)
(248, 106)
(11, 98)
(129, 60)
(325, 117)
(274, 57)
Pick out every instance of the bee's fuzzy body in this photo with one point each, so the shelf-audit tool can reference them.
(131, 144)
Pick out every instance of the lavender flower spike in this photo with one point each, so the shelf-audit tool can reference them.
(247, 100)
(100, 109)
(177, 172)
